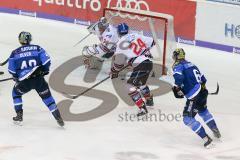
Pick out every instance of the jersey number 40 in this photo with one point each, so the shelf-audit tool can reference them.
(28, 63)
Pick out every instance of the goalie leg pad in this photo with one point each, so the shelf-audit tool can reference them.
(91, 59)
(208, 119)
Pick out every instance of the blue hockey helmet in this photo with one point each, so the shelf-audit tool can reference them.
(24, 38)
(122, 29)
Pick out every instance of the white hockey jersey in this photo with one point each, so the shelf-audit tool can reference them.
(132, 47)
(109, 37)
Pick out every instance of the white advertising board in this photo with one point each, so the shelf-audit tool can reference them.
(218, 23)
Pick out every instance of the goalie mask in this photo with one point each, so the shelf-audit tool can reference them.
(24, 38)
(103, 24)
(178, 54)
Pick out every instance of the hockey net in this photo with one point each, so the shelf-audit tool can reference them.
(152, 24)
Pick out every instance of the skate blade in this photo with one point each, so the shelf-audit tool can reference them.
(150, 107)
(210, 146)
(142, 116)
(219, 140)
(18, 123)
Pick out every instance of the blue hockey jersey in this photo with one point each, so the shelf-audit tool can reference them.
(26, 59)
(189, 78)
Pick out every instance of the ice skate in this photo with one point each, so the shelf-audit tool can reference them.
(18, 118)
(208, 142)
(143, 111)
(57, 116)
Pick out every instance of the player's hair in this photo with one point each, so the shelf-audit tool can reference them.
(24, 38)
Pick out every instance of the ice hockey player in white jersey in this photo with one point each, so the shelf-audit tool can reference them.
(108, 36)
(134, 49)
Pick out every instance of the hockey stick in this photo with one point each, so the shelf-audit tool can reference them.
(82, 39)
(7, 79)
(3, 63)
(95, 85)
(216, 92)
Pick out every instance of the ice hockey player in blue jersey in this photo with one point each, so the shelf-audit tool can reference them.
(28, 65)
(191, 83)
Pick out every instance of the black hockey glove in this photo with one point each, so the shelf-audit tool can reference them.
(108, 55)
(41, 71)
(177, 92)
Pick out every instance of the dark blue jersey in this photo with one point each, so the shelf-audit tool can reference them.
(189, 78)
(26, 59)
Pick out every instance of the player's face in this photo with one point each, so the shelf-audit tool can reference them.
(101, 30)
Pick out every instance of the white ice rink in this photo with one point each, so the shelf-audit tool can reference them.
(106, 138)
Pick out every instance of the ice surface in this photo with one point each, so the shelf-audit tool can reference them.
(107, 137)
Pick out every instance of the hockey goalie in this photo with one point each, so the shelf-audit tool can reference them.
(95, 55)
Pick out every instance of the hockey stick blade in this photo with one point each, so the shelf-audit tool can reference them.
(70, 96)
(216, 92)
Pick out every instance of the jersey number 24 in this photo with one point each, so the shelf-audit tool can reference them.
(138, 46)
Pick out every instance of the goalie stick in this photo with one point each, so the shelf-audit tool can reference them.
(71, 96)
(82, 39)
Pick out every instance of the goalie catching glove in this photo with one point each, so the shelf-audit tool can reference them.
(177, 92)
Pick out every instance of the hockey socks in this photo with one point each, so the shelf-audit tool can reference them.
(137, 99)
(195, 126)
(209, 120)
(50, 103)
(147, 95)
(17, 100)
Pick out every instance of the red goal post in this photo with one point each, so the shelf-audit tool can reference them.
(152, 24)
